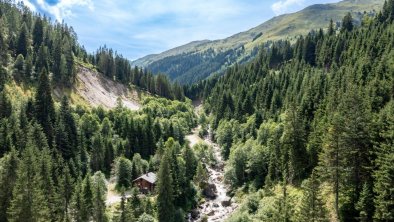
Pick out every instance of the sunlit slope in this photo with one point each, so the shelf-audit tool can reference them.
(199, 59)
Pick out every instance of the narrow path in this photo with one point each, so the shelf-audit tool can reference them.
(221, 207)
(113, 197)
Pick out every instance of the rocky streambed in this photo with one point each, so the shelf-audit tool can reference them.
(218, 205)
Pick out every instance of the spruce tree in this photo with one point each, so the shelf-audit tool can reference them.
(134, 171)
(66, 184)
(331, 30)
(365, 203)
(122, 209)
(124, 173)
(77, 204)
(190, 162)
(62, 140)
(347, 23)
(384, 167)
(332, 159)
(29, 202)
(57, 67)
(5, 105)
(49, 188)
(87, 199)
(3, 44)
(129, 207)
(8, 175)
(38, 33)
(99, 196)
(165, 198)
(44, 107)
(293, 141)
(201, 177)
(70, 127)
(312, 206)
(97, 154)
(19, 67)
(135, 203)
(3, 77)
(23, 41)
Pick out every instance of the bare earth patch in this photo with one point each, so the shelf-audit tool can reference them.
(98, 90)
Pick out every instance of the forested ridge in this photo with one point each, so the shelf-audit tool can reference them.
(307, 128)
(30, 43)
(198, 60)
(188, 68)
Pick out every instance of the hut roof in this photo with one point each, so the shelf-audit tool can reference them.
(150, 177)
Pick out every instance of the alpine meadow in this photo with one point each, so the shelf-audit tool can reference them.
(290, 121)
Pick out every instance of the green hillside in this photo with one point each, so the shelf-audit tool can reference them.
(200, 59)
(63, 159)
(307, 129)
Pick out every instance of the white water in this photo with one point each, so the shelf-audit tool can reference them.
(213, 208)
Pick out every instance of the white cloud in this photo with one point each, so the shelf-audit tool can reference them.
(63, 8)
(283, 6)
(143, 10)
(139, 27)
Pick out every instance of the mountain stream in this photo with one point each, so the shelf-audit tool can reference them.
(219, 208)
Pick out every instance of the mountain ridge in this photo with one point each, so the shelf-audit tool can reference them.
(286, 26)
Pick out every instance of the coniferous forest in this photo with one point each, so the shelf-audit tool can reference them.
(305, 129)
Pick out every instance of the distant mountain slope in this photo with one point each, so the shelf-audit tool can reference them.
(197, 60)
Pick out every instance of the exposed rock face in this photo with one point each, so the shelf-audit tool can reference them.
(210, 191)
(98, 90)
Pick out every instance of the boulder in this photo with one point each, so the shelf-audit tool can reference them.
(210, 191)
(216, 205)
(220, 166)
(226, 202)
(211, 213)
(195, 213)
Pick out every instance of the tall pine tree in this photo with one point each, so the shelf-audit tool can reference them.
(165, 197)
(44, 107)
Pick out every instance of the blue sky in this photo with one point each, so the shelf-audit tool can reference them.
(136, 28)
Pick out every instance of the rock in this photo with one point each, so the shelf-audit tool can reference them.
(216, 205)
(220, 166)
(195, 213)
(226, 202)
(210, 191)
(211, 213)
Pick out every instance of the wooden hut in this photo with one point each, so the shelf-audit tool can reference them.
(146, 182)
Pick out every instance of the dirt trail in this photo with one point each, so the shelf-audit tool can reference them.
(221, 207)
(98, 90)
(113, 197)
